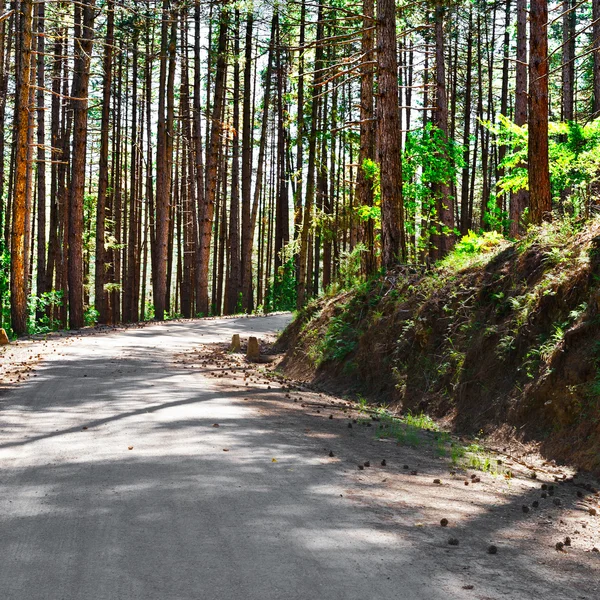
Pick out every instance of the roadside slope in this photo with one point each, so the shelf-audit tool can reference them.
(501, 338)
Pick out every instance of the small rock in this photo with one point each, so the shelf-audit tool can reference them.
(349, 425)
(361, 468)
(405, 467)
(453, 541)
(444, 522)
(557, 501)
(593, 512)
(525, 508)
(544, 486)
(567, 541)
(559, 546)
(367, 463)
(594, 549)
(466, 483)
(383, 463)
(492, 549)
(331, 454)
(413, 472)
(331, 416)
(437, 481)
(544, 495)
(535, 504)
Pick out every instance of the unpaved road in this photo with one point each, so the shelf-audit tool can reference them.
(135, 467)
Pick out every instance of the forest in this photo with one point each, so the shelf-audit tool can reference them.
(185, 158)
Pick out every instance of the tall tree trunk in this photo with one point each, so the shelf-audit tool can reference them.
(234, 281)
(465, 223)
(282, 227)
(568, 60)
(519, 200)
(540, 200)
(247, 143)
(364, 186)
(18, 282)
(444, 238)
(83, 49)
(247, 256)
(101, 297)
(212, 161)
(596, 62)
(393, 244)
(41, 157)
(303, 262)
(164, 161)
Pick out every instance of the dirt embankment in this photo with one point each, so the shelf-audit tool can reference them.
(504, 342)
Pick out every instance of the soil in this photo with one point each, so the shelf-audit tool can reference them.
(409, 490)
(506, 348)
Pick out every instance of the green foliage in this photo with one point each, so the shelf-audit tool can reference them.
(495, 218)
(429, 159)
(350, 267)
(43, 305)
(90, 316)
(473, 243)
(281, 291)
(574, 155)
(339, 341)
(365, 212)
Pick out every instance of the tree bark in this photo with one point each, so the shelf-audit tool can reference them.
(519, 200)
(540, 200)
(393, 245)
(364, 186)
(212, 161)
(18, 282)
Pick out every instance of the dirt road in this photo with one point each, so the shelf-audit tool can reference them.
(142, 465)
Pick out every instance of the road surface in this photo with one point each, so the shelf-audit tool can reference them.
(117, 484)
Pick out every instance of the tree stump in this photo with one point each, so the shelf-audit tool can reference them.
(235, 343)
(253, 351)
(3, 338)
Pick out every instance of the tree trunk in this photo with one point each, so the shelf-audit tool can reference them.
(212, 162)
(364, 186)
(83, 49)
(234, 281)
(539, 175)
(519, 200)
(393, 244)
(568, 60)
(596, 63)
(41, 158)
(18, 282)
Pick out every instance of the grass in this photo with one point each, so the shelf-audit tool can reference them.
(408, 431)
